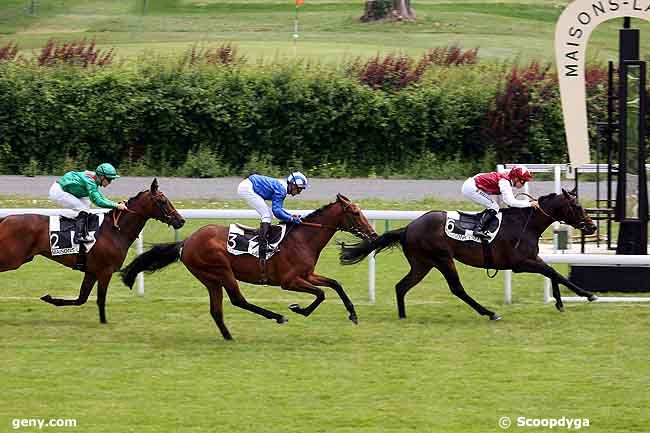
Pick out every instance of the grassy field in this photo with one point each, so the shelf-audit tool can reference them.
(160, 364)
(330, 30)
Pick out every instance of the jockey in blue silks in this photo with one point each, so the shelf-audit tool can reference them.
(255, 189)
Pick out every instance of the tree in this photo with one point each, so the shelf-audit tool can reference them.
(393, 10)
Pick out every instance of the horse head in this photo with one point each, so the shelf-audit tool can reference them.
(565, 208)
(353, 220)
(152, 203)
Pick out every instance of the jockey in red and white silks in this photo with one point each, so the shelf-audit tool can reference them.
(481, 187)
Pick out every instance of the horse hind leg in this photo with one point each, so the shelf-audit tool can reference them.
(418, 271)
(216, 310)
(238, 299)
(448, 270)
(215, 290)
(84, 292)
(302, 285)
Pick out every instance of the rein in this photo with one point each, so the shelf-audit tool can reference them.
(117, 214)
(319, 226)
(353, 230)
(552, 218)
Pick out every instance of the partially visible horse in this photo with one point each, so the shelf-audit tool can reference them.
(24, 236)
(206, 256)
(515, 247)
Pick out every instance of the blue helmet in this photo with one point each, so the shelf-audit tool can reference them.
(298, 179)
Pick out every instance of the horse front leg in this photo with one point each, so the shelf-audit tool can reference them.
(301, 285)
(556, 294)
(102, 289)
(86, 287)
(538, 266)
(448, 270)
(319, 280)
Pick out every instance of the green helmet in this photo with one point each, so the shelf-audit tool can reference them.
(106, 170)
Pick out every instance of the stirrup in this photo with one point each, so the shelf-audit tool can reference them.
(481, 234)
(83, 239)
(263, 277)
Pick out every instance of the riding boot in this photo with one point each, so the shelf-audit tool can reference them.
(263, 246)
(481, 229)
(81, 229)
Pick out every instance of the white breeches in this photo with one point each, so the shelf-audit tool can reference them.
(67, 200)
(245, 191)
(470, 191)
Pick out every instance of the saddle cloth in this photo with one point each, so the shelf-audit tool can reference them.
(244, 240)
(62, 231)
(461, 225)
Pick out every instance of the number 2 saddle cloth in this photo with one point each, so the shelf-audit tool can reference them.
(62, 230)
(461, 225)
(245, 240)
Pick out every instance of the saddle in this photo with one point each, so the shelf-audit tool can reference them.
(62, 230)
(244, 240)
(460, 225)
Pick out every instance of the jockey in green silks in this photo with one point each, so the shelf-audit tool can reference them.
(77, 189)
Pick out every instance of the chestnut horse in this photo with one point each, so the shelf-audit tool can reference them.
(25, 236)
(515, 247)
(205, 255)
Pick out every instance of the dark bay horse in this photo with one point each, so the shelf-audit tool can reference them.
(205, 255)
(26, 236)
(515, 247)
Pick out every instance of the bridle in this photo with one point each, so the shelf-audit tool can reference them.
(580, 225)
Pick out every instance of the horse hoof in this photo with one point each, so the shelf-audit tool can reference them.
(495, 316)
(560, 308)
(294, 307)
(353, 318)
(592, 298)
(46, 298)
(282, 320)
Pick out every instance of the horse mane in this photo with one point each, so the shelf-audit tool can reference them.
(318, 211)
(128, 201)
(136, 196)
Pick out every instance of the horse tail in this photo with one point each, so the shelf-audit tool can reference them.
(354, 253)
(156, 258)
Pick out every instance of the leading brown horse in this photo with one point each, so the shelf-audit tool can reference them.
(205, 255)
(515, 247)
(24, 236)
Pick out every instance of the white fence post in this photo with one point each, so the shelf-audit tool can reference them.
(547, 290)
(557, 178)
(371, 272)
(507, 291)
(139, 249)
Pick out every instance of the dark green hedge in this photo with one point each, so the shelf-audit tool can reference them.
(293, 115)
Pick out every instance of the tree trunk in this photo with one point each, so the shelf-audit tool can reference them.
(393, 10)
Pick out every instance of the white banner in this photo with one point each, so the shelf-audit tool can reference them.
(572, 33)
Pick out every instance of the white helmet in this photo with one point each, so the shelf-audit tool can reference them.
(298, 179)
